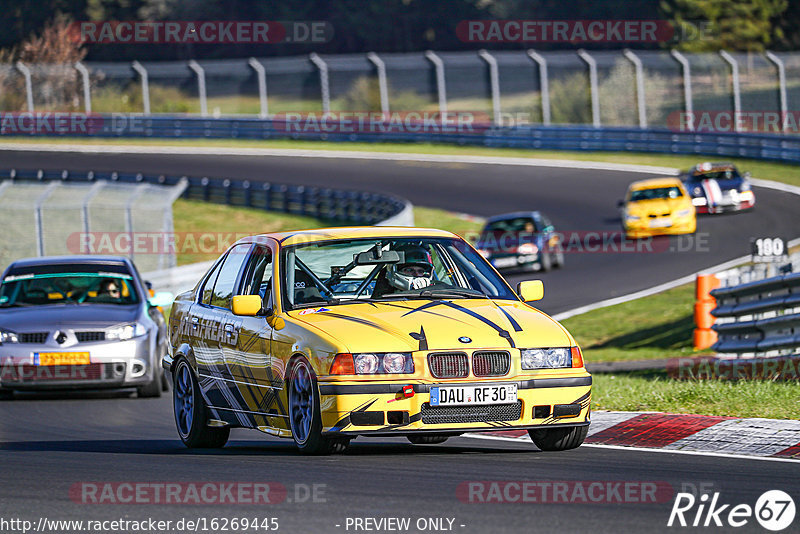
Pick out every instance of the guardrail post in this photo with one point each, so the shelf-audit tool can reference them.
(544, 84)
(261, 74)
(592, 64)
(640, 96)
(26, 73)
(704, 337)
(383, 86)
(87, 93)
(38, 215)
(737, 97)
(323, 81)
(141, 188)
(441, 90)
(687, 87)
(778, 62)
(201, 86)
(139, 68)
(494, 81)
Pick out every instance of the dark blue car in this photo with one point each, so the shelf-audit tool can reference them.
(718, 188)
(523, 240)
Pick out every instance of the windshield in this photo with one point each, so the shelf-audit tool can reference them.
(717, 174)
(517, 224)
(61, 288)
(655, 193)
(387, 269)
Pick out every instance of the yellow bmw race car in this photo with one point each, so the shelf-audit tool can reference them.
(325, 335)
(658, 206)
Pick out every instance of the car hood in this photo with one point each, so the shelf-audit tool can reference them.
(41, 318)
(656, 206)
(412, 325)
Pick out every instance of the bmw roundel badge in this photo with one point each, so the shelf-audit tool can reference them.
(465, 339)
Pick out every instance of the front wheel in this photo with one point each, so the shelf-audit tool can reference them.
(304, 413)
(559, 439)
(190, 412)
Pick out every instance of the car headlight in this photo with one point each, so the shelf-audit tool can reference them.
(632, 217)
(7, 336)
(126, 331)
(683, 213)
(527, 248)
(546, 358)
(746, 195)
(699, 201)
(369, 363)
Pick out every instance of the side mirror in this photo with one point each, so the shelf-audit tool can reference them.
(161, 299)
(531, 290)
(620, 204)
(249, 305)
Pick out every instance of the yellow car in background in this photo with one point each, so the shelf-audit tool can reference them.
(324, 335)
(658, 206)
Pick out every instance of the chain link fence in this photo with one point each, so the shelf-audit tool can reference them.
(648, 89)
(49, 217)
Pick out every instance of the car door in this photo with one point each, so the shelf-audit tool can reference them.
(210, 319)
(257, 373)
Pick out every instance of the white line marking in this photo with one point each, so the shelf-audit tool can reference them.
(526, 439)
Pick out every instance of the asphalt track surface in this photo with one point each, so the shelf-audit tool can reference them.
(49, 443)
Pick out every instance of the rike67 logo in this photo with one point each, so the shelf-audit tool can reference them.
(774, 510)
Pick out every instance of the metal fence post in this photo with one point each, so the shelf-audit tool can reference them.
(85, 211)
(383, 86)
(37, 214)
(26, 72)
(687, 86)
(261, 74)
(544, 84)
(129, 212)
(737, 97)
(440, 81)
(323, 80)
(175, 192)
(640, 96)
(201, 86)
(87, 93)
(494, 80)
(595, 96)
(778, 62)
(139, 68)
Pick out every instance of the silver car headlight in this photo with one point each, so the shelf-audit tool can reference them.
(683, 213)
(546, 358)
(7, 336)
(126, 331)
(632, 217)
(369, 363)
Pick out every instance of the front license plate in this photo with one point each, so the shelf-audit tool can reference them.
(505, 262)
(476, 394)
(61, 358)
(661, 223)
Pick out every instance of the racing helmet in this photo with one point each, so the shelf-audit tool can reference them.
(416, 271)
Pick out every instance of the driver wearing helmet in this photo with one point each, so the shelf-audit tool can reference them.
(416, 272)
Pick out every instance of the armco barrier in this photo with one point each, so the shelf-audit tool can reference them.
(760, 317)
(784, 148)
(336, 205)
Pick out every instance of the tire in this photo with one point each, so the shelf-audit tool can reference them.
(153, 388)
(429, 439)
(305, 419)
(6, 394)
(559, 261)
(546, 261)
(191, 413)
(559, 439)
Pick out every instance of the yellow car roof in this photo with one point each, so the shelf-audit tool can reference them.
(351, 232)
(652, 183)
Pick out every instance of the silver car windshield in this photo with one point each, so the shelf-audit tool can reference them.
(377, 269)
(61, 288)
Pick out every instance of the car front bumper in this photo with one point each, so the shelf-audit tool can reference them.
(381, 409)
(643, 228)
(516, 261)
(113, 364)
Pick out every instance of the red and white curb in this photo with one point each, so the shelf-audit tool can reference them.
(764, 438)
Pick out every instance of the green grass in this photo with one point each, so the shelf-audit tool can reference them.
(658, 326)
(227, 223)
(760, 169)
(655, 392)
